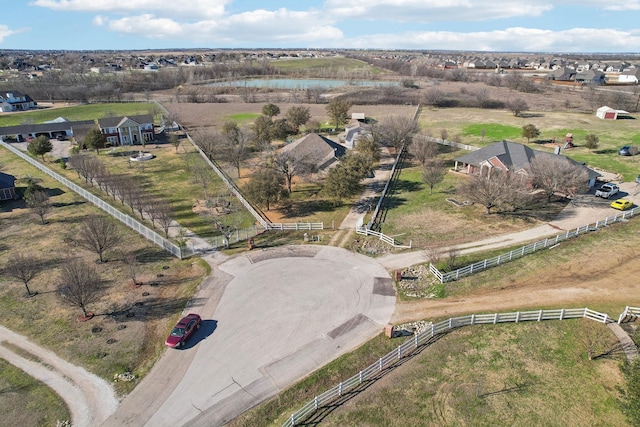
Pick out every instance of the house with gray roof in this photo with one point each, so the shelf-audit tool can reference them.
(590, 77)
(13, 100)
(315, 150)
(51, 130)
(509, 156)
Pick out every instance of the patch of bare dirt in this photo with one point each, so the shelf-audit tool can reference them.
(584, 283)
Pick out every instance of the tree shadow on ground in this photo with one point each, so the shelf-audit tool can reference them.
(539, 211)
(153, 308)
(305, 208)
(152, 254)
(531, 115)
(323, 412)
(61, 205)
(606, 151)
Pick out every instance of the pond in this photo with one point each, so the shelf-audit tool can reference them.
(301, 83)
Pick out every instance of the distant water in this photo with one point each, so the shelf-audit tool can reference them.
(301, 83)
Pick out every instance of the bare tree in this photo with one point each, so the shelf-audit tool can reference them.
(38, 202)
(23, 268)
(235, 149)
(497, 188)
(164, 215)
(289, 166)
(394, 130)
(444, 134)
(557, 174)
(98, 234)
(79, 285)
(517, 106)
(423, 148)
(433, 172)
(202, 175)
(175, 141)
(132, 264)
(434, 97)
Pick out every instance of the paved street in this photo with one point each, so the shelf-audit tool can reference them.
(283, 313)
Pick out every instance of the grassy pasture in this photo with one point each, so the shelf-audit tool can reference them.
(503, 374)
(326, 67)
(469, 124)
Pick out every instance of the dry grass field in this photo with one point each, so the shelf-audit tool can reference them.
(130, 324)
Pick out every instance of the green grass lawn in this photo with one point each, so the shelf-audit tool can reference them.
(469, 124)
(80, 112)
(243, 118)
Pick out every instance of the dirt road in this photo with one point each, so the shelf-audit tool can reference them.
(89, 398)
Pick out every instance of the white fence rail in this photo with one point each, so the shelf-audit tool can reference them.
(387, 239)
(409, 347)
(259, 217)
(629, 313)
(180, 252)
(454, 144)
(528, 249)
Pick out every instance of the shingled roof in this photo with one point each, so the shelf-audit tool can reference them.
(316, 150)
(515, 157)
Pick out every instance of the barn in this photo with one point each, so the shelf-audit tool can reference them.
(608, 113)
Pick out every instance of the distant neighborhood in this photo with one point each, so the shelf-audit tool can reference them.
(605, 69)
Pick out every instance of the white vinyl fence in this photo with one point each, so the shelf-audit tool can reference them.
(180, 252)
(412, 344)
(629, 313)
(259, 216)
(387, 239)
(528, 249)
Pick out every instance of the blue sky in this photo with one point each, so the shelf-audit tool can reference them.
(484, 25)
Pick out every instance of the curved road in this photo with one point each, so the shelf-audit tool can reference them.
(271, 317)
(282, 313)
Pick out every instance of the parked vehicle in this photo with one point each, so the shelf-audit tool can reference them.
(61, 137)
(607, 190)
(628, 150)
(622, 204)
(183, 330)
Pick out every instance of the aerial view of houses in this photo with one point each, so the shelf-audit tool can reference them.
(215, 213)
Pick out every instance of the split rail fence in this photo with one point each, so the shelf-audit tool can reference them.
(411, 345)
(528, 249)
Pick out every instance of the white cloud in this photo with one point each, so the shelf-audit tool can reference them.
(179, 8)
(5, 31)
(430, 11)
(280, 26)
(515, 39)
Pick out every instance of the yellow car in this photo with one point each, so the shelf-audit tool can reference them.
(622, 204)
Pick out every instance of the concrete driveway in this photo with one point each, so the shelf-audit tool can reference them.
(282, 313)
